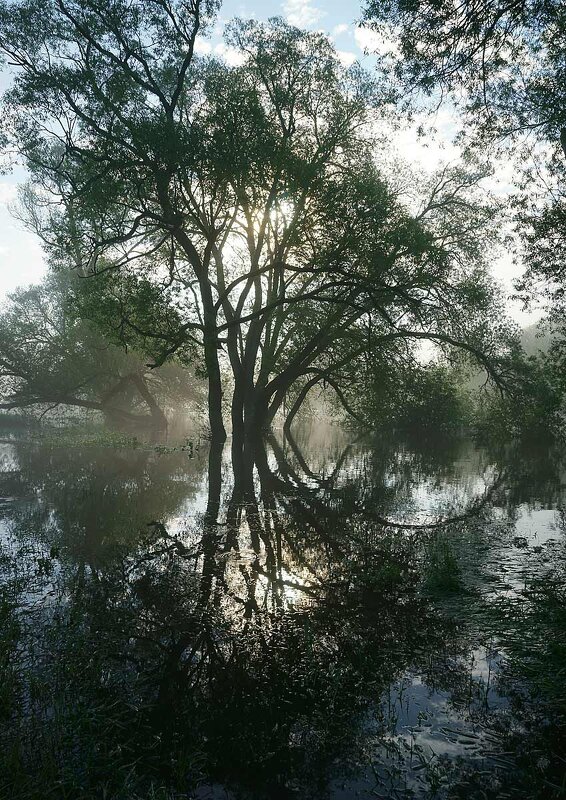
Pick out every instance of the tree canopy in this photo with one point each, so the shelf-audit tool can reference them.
(51, 357)
(235, 214)
(505, 60)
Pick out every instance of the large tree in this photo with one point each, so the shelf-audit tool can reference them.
(235, 211)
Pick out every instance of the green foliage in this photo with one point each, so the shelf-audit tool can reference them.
(47, 352)
(534, 409)
(215, 209)
(53, 352)
(10, 631)
(503, 63)
(508, 57)
(541, 221)
(131, 311)
(535, 658)
(441, 570)
(429, 398)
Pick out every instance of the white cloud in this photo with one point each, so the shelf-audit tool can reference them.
(346, 58)
(21, 257)
(21, 263)
(301, 13)
(375, 42)
(8, 192)
(203, 47)
(219, 26)
(340, 29)
(230, 55)
(365, 38)
(434, 148)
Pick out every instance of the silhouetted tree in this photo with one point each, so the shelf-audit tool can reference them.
(242, 199)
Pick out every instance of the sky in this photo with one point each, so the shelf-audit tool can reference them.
(21, 258)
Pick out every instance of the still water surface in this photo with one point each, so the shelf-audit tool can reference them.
(377, 618)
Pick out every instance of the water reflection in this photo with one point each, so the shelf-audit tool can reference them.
(310, 630)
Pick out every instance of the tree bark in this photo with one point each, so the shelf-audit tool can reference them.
(249, 422)
(215, 417)
(210, 333)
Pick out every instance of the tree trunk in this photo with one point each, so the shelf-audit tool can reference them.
(215, 418)
(158, 417)
(238, 426)
(249, 420)
(301, 397)
(210, 335)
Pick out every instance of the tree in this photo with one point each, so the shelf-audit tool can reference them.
(504, 63)
(503, 60)
(541, 219)
(105, 80)
(423, 397)
(49, 357)
(235, 210)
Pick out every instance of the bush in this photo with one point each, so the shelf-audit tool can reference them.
(533, 410)
(426, 397)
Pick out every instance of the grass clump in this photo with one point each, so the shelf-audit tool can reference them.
(442, 574)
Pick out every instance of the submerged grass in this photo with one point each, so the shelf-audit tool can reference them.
(442, 574)
(534, 677)
(99, 436)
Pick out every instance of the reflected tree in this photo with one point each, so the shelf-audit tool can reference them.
(246, 647)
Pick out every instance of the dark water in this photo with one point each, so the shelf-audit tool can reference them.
(378, 618)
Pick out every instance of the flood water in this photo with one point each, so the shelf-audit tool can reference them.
(379, 618)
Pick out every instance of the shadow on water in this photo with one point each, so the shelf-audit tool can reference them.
(351, 619)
